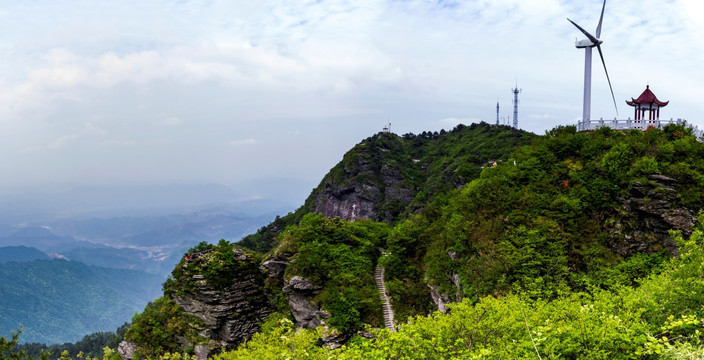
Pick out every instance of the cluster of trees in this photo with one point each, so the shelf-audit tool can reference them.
(536, 223)
(216, 263)
(91, 345)
(161, 328)
(97, 346)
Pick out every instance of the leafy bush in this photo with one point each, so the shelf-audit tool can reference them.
(158, 327)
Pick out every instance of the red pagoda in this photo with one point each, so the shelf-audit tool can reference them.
(647, 101)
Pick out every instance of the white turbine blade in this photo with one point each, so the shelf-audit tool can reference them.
(598, 47)
(589, 36)
(598, 28)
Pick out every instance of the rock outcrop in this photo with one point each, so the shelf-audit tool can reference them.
(126, 349)
(231, 314)
(440, 299)
(367, 184)
(646, 216)
(300, 293)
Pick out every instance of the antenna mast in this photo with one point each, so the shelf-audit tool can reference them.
(515, 106)
(497, 113)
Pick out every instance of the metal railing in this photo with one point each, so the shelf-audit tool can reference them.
(642, 124)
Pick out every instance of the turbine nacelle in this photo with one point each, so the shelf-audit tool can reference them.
(587, 43)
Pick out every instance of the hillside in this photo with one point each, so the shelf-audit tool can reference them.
(57, 301)
(388, 177)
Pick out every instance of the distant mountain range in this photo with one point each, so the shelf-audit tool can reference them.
(56, 301)
(20, 254)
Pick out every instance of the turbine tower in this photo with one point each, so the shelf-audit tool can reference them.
(587, 44)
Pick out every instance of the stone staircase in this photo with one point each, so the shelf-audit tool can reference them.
(388, 311)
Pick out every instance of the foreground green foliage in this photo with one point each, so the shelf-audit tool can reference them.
(159, 327)
(661, 318)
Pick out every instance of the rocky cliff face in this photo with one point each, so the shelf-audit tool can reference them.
(221, 310)
(644, 218)
(368, 183)
(231, 314)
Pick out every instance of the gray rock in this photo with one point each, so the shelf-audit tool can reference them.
(300, 293)
(231, 314)
(240, 255)
(276, 266)
(333, 341)
(368, 183)
(645, 217)
(439, 299)
(456, 281)
(126, 349)
(453, 255)
(300, 284)
(201, 352)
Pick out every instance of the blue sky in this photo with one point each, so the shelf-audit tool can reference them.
(149, 92)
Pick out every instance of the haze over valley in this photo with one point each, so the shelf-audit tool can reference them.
(111, 246)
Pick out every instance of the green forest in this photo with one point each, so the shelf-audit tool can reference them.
(570, 245)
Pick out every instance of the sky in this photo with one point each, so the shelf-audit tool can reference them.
(162, 92)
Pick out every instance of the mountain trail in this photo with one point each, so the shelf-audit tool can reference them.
(388, 310)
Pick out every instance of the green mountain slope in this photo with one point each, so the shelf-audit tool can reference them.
(57, 301)
(577, 210)
(388, 177)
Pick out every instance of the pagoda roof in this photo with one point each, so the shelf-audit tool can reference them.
(647, 97)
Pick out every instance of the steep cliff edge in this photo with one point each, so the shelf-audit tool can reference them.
(218, 298)
(231, 313)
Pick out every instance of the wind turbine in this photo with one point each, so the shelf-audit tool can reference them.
(587, 44)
